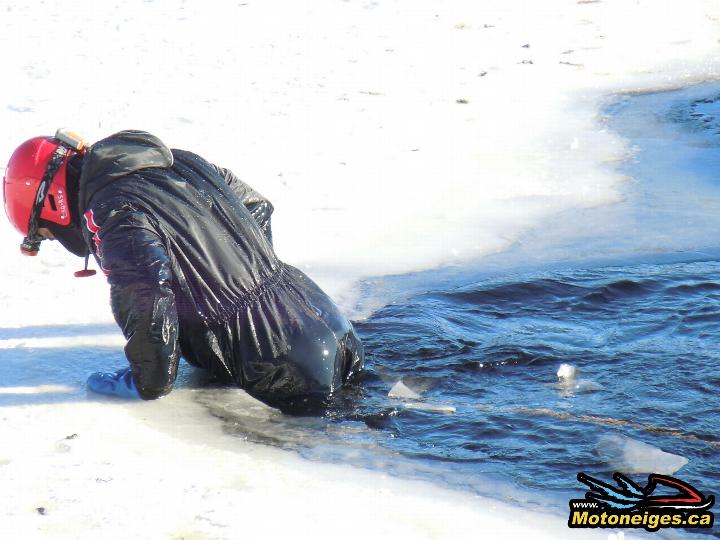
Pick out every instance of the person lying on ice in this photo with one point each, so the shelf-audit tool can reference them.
(187, 250)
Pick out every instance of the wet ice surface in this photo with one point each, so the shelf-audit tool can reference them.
(487, 412)
(490, 351)
(462, 381)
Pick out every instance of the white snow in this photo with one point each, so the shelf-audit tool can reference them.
(391, 135)
(161, 471)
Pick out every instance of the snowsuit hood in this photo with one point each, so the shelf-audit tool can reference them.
(117, 156)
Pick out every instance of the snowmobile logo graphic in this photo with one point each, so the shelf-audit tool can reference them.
(665, 501)
(631, 497)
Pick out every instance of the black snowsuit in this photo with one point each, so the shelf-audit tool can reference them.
(187, 250)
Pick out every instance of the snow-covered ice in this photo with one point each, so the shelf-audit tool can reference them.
(391, 136)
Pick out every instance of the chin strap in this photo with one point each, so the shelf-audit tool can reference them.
(69, 142)
(31, 243)
(86, 272)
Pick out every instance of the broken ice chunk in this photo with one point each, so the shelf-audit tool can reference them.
(419, 406)
(566, 372)
(400, 391)
(630, 456)
(569, 385)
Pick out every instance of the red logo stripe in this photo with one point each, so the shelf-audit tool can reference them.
(94, 229)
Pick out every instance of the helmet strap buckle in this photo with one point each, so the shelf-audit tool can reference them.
(86, 272)
(30, 245)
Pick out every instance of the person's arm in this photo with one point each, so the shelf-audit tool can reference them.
(137, 266)
(260, 208)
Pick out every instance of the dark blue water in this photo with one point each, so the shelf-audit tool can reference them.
(644, 339)
(482, 353)
(483, 357)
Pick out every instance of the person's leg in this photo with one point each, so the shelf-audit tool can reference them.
(294, 340)
(308, 358)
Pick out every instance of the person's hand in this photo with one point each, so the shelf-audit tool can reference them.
(119, 384)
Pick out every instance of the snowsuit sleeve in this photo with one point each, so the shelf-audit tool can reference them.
(134, 258)
(260, 208)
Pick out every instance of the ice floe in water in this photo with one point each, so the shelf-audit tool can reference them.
(630, 456)
(402, 391)
(568, 384)
(431, 407)
(566, 372)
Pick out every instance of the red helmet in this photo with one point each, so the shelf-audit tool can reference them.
(23, 175)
